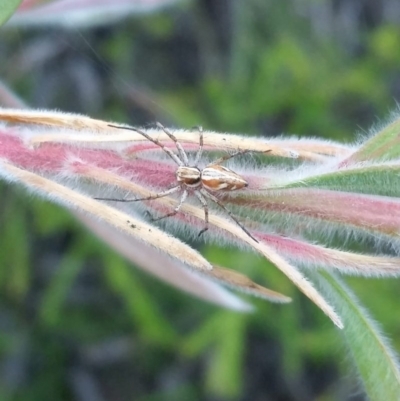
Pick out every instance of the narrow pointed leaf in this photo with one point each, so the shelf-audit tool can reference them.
(377, 179)
(385, 145)
(376, 362)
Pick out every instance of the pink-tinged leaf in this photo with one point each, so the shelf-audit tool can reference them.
(317, 257)
(305, 210)
(166, 269)
(82, 13)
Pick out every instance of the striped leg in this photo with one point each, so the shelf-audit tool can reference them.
(200, 151)
(176, 210)
(168, 151)
(220, 204)
(181, 151)
(204, 203)
(238, 153)
(155, 196)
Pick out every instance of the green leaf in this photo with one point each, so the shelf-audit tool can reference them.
(385, 145)
(374, 359)
(375, 180)
(7, 9)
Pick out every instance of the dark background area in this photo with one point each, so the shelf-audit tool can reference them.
(77, 322)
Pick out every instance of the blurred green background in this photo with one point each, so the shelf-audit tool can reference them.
(79, 323)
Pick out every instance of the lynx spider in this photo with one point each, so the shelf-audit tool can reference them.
(213, 177)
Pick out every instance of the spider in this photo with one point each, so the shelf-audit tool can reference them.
(212, 178)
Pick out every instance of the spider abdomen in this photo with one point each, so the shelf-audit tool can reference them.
(219, 178)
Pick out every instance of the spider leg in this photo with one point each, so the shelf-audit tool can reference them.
(176, 210)
(227, 157)
(200, 151)
(220, 204)
(204, 203)
(181, 151)
(168, 151)
(155, 196)
(239, 152)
